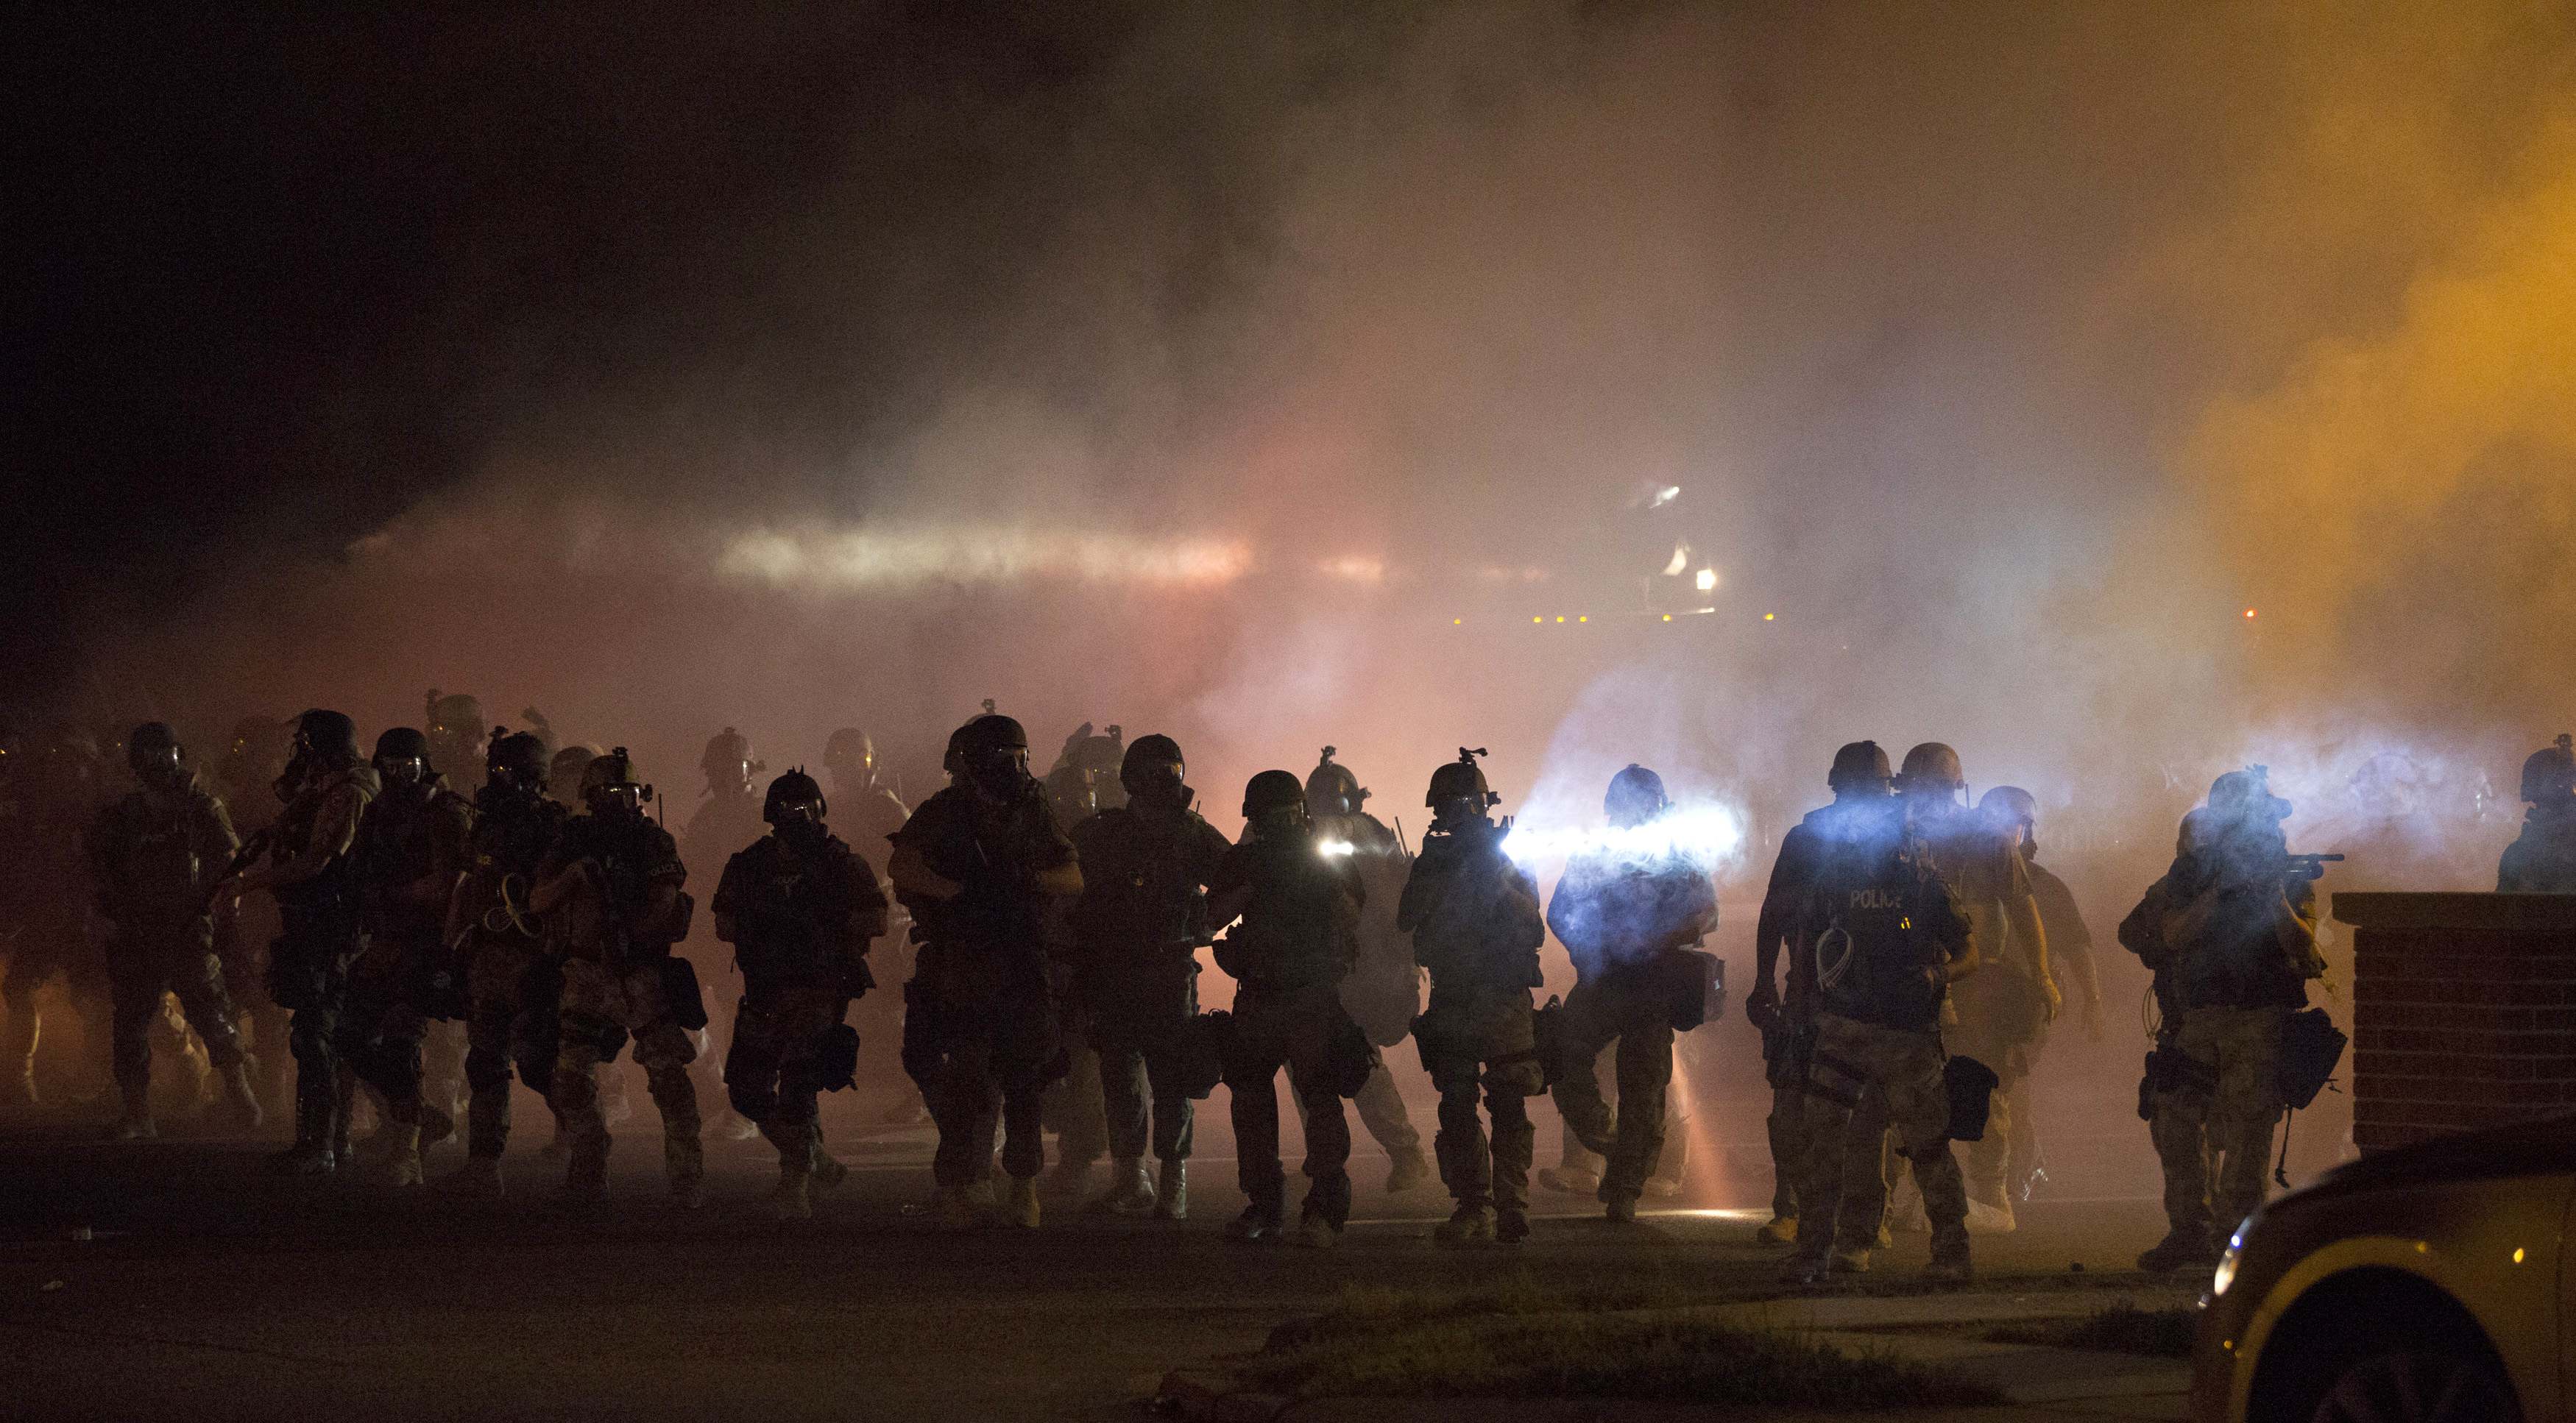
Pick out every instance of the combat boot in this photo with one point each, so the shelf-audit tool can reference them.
(2179, 1250)
(1258, 1224)
(953, 1210)
(685, 1162)
(479, 1178)
(794, 1200)
(1316, 1232)
(1620, 1210)
(1471, 1224)
(1511, 1224)
(1023, 1209)
(1949, 1254)
(1569, 1180)
(1130, 1191)
(1172, 1197)
(829, 1170)
(402, 1156)
(136, 1126)
(1782, 1230)
(311, 1154)
(1410, 1170)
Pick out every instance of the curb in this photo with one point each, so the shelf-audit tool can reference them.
(1212, 1398)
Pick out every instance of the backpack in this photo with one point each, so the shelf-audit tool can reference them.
(1887, 917)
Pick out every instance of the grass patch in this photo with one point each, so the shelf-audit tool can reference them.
(2122, 1328)
(1519, 1339)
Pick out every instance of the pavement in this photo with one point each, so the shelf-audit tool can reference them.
(178, 1278)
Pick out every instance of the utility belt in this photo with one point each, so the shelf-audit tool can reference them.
(2170, 1069)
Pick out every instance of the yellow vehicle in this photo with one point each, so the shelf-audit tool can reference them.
(2412, 1285)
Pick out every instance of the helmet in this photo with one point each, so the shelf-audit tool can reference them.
(329, 732)
(986, 740)
(1331, 787)
(793, 788)
(1462, 779)
(1859, 765)
(727, 761)
(2246, 793)
(1147, 757)
(402, 756)
(1931, 767)
(455, 719)
(1636, 796)
(2010, 803)
(153, 750)
(1272, 790)
(613, 775)
(849, 749)
(989, 733)
(2550, 773)
(516, 758)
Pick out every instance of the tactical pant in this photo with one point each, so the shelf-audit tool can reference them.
(308, 975)
(1483, 1039)
(1621, 1007)
(1296, 1029)
(1138, 1046)
(773, 1072)
(1787, 1129)
(513, 1000)
(1852, 1057)
(2219, 1117)
(600, 1008)
(983, 1069)
(1870, 1163)
(1382, 1111)
(381, 1029)
(144, 968)
(239, 942)
(2000, 1016)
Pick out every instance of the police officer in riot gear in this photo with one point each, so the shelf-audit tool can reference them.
(1475, 921)
(454, 728)
(870, 808)
(158, 855)
(1136, 931)
(2015, 812)
(611, 884)
(1862, 783)
(1384, 989)
(977, 865)
(247, 774)
(2002, 1011)
(512, 987)
(410, 852)
(1888, 941)
(2542, 860)
(800, 909)
(728, 818)
(2231, 932)
(1298, 935)
(313, 872)
(1622, 910)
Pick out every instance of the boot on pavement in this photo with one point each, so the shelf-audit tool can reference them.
(1023, 1208)
(2179, 1250)
(1410, 1170)
(1172, 1197)
(1130, 1192)
(402, 1156)
(1782, 1230)
(1471, 1224)
(795, 1198)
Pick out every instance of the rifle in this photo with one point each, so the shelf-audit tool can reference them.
(250, 853)
(2310, 866)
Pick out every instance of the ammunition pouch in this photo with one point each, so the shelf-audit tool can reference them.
(682, 998)
(1200, 1049)
(1788, 1050)
(1692, 984)
(2311, 1048)
(1971, 1085)
(836, 1062)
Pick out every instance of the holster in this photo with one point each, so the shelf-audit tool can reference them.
(1692, 983)
(681, 994)
(1788, 1049)
(836, 1064)
(1972, 1087)
(1547, 1035)
(2311, 1047)
(1354, 1057)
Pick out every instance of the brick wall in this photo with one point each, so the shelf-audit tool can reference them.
(2464, 1011)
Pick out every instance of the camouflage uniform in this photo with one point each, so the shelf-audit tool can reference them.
(2542, 860)
(979, 1015)
(512, 986)
(1475, 922)
(410, 851)
(799, 916)
(1290, 953)
(314, 875)
(1142, 916)
(1617, 918)
(2231, 941)
(1878, 1032)
(158, 854)
(615, 944)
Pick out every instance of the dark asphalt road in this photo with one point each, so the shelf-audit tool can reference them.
(213, 1291)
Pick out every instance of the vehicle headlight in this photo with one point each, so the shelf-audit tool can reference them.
(2226, 1273)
